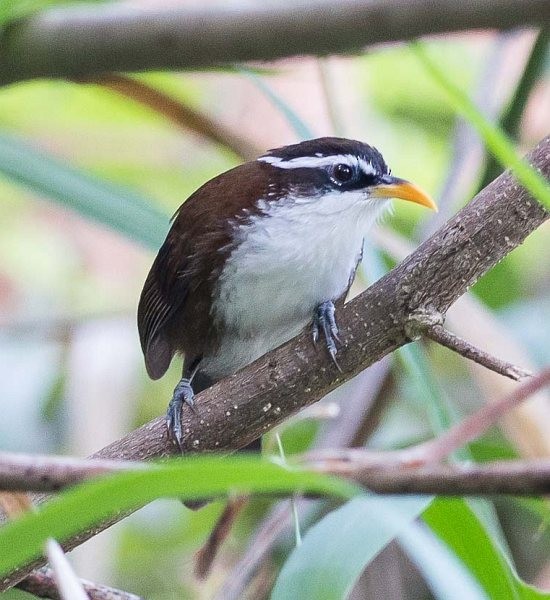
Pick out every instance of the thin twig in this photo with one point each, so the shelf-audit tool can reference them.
(433, 451)
(206, 555)
(428, 322)
(477, 424)
(442, 336)
(259, 548)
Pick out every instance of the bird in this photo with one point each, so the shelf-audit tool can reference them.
(257, 254)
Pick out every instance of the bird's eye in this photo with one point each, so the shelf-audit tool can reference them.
(342, 173)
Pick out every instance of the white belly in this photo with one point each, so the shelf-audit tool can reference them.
(288, 261)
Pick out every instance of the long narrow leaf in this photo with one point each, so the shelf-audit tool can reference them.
(458, 525)
(511, 118)
(299, 126)
(119, 208)
(191, 478)
(335, 551)
(495, 140)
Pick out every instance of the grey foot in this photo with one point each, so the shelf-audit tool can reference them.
(183, 394)
(325, 323)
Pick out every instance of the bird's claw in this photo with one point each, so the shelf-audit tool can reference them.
(183, 394)
(324, 321)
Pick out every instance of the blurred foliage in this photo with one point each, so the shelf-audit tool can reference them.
(115, 207)
(190, 478)
(473, 545)
(302, 131)
(91, 150)
(316, 570)
(511, 117)
(11, 10)
(495, 139)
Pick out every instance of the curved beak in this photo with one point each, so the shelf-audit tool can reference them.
(393, 187)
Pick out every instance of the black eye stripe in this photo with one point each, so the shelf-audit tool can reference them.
(369, 179)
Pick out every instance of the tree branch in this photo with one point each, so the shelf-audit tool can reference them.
(437, 449)
(32, 472)
(239, 409)
(122, 38)
(519, 477)
(429, 324)
(41, 583)
(179, 113)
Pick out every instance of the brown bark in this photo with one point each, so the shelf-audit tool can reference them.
(81, 41)
(41, 583)
(518, 477)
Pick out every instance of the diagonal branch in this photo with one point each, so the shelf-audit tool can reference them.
(180, 114)
(81, 41)
(429, 324)
(41, 583)
(44, 582)
(35, 472)
(239, 409)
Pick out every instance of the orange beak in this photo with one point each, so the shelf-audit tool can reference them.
(393, 187)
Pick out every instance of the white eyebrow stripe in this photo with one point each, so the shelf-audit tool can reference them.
(318, 162)
(311, 162)
(366, 167)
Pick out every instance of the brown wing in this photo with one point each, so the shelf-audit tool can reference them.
(163, 295)
(174, 307)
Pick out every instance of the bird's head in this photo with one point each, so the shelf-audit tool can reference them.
(336, 173)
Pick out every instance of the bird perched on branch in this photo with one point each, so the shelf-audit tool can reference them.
(257, 254)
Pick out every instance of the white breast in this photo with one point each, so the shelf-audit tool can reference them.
(286, 262)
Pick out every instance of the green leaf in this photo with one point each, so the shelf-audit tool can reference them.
(302, 130)
(455, 521)
(335, 551)
(417, 366)
(190, 478)
(119, 208)
(493, 137)
(511, 118)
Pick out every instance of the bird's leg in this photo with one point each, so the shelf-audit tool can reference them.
(324, 322)
(183, 394)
